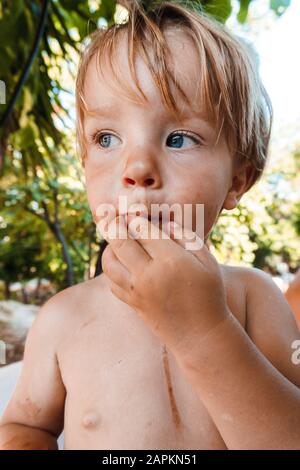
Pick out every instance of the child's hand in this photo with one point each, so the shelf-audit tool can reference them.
(179, 294)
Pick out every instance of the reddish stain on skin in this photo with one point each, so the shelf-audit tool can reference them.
(85, 324)
(20, 443)
(174, 409)
(16, 443)
(30, 408)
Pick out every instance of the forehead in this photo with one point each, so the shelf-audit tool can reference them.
(101, 88)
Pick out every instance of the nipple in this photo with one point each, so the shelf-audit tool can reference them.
(90, 420)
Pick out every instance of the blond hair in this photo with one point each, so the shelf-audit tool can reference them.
(230, 87)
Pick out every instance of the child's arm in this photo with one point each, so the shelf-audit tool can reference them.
(20, 437)
(252, 390)
(271, 324)
(33, 418)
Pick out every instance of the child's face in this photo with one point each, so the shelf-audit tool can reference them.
(139, 158)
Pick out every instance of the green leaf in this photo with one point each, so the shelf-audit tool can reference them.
(220, 9)
(279, 6)
(24, 138)
(243, 11)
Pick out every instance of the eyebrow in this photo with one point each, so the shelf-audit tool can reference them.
(104, 110)
(114, 110)
(192, 113)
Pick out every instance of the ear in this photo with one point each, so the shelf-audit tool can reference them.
(242, 180)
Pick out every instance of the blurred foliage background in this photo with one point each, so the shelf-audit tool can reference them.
(46, 229)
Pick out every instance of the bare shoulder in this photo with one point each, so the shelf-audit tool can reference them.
(270, 322)
(235, 291)
(65, 312)
(75, 302)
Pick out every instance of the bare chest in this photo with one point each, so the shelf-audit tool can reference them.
(126, 391)
(130, 394)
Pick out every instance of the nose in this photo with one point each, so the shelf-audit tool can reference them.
(141, 172)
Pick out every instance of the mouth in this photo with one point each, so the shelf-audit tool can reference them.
(155, 219)
(155, 214)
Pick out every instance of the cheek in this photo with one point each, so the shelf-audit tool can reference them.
(97, 189)
(212, 194)
(208, 189)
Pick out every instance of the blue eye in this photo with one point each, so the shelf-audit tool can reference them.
(103, 139)
(178, 138)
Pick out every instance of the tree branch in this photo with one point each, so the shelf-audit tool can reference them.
(30, 60)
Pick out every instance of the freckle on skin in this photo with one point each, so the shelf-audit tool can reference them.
(174, 409)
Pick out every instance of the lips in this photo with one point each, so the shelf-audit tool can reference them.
(154, 216)
(137, 209)
(152, 219)
(155, 220)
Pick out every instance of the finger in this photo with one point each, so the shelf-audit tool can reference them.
(119, 292)
(128, 251)
(188, 239)
(155, 241)
(114, 269)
